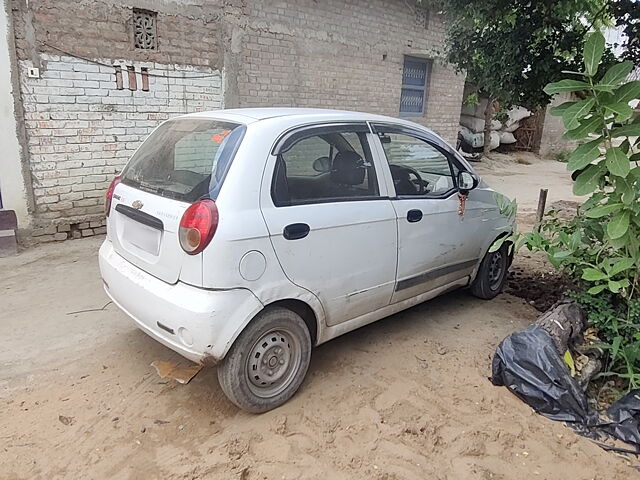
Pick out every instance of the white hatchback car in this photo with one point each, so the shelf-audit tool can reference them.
(245, 237)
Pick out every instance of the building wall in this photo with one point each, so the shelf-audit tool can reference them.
(81, 130)
(552, 139)
(13, 187)
(80, 127)
(344, 54)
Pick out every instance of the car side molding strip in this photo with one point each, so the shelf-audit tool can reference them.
(433, 274)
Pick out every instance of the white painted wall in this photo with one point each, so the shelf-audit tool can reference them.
(12, 184)
(82, 129)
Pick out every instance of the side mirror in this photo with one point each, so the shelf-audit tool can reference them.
(467, 181)
(322, 165)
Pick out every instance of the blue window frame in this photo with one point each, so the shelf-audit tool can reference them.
(415, 79)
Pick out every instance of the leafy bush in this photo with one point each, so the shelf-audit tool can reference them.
(600, 248)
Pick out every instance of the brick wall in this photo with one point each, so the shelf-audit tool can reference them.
(81, 129)
(344, 54)
(188, 30)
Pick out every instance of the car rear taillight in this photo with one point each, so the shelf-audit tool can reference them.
(197, 226)
(109, 196)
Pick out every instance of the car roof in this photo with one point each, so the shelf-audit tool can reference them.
(306, 115)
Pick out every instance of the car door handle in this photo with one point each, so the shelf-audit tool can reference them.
(414, 215)
(296, 231)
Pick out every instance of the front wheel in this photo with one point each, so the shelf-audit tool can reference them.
(492, 274)
(268, 361)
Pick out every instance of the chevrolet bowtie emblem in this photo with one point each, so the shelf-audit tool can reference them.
(137, 204)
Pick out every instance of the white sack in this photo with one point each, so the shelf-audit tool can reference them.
(476, 125)
(476, 140)
(506, 137)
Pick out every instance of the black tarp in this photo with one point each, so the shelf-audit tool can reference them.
(528, 364)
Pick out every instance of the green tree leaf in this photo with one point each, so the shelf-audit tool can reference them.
(618, 225)
(576, 112)
(620, 242)
(593, 50)
(629, 130)
(568, 359)
(597, 289)
(617, 162)
(616, 75)
(566, 85)
(588, 180)
(603, 210)
(627, 193)
(627, 92)
(558, 110)
(584, 155)
(613, 286)
(622, 111)
(625, 146)
(615, 347)
(589, 125)
(621, 265)
(592, 275)
(603, 88)
(561, 254)
(497, 244)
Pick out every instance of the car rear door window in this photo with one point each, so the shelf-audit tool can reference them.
(418, 168)
(329, 166)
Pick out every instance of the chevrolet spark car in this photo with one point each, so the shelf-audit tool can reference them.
(245, 237)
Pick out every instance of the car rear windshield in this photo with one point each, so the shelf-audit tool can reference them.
(185, 159)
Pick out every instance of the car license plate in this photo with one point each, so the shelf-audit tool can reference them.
(142, 236)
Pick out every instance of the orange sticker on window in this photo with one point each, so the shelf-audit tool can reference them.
(219, 137)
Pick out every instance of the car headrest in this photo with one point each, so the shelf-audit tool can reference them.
(348, 169)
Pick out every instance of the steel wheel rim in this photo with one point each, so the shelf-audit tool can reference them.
(273, 362)
(496, 270)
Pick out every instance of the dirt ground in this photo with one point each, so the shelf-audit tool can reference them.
(405, 398)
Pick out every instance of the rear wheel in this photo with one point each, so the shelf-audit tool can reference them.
(492, 274)
(268, 361)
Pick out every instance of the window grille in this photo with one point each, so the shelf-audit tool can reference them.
(415, 79)
(144, 29)
(422, 16)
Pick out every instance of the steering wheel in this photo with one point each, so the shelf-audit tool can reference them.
(402, 182)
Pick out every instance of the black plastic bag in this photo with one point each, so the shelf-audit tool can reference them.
(625, 419)
(528, 364)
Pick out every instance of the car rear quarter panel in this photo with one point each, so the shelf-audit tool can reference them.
(240, 254)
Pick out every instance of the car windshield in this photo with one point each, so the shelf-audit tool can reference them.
(185, 159)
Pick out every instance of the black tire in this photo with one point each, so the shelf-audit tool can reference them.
(492, 274)
(267, 362)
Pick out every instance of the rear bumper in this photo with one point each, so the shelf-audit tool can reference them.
(199, 324)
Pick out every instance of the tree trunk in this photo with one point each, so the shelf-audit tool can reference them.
(564, 322)
(488, 118)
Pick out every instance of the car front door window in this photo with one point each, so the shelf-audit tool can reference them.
(417, 167)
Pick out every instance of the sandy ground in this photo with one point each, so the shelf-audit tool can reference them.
(405, 398)
(522, 175)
